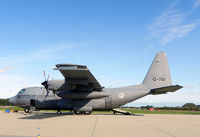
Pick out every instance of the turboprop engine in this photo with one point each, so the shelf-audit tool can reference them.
(55, 85)
(59, 85)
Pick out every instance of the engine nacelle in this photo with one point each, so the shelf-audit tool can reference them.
(67, 84)
(57, 85)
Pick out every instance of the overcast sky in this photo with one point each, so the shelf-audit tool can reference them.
(116, 39)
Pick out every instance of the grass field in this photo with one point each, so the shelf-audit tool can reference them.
(135, 111)
(138, 111)
(11, 107)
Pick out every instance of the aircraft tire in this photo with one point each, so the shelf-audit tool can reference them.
(87, 113)
(26, 110)
(81, 113)
(77, 112)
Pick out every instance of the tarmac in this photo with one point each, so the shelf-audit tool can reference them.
(49, 124)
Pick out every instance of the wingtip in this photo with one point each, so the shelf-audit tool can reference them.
(179, 86)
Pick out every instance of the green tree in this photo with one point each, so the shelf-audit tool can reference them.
(190, 106)
(4, 102)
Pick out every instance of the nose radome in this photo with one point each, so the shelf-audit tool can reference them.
(12, 100)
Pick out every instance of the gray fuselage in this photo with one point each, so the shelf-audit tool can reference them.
(107, 99)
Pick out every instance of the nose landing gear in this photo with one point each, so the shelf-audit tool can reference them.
(26, 109)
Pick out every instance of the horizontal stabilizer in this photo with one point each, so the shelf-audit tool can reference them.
(164, 90)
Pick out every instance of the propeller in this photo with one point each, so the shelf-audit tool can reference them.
(45, 84)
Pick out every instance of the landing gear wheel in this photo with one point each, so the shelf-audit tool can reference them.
(78, 112)
(87, 113)
(26, 110)
(59, 111)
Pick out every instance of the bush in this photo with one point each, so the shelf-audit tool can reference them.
(4, 102)
(190, 106)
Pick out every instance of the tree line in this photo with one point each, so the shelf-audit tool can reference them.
(4, 102)
(187, 106)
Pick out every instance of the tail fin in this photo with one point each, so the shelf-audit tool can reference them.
(158, 74)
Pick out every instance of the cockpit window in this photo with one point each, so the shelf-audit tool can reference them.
(21, 91)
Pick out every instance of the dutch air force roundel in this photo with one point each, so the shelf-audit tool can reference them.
(121, 95)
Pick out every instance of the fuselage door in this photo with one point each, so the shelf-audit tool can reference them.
(108, 103)
(32, 102)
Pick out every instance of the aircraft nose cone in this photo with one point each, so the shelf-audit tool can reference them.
(12, 100)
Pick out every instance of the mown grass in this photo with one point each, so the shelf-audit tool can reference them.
(139, 111)
(11, 107)
(132, 110)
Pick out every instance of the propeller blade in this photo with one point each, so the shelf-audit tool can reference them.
(43, 91)
(54, 94)
(46, 95)
(44, 72)
(48, 77)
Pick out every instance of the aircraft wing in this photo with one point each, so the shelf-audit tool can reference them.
(164, 90)
(79, 75)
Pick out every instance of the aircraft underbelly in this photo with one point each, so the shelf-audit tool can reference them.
(96, 104)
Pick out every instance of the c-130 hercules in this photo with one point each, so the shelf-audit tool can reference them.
(82, 93)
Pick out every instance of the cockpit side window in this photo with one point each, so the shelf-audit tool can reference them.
(21, 91)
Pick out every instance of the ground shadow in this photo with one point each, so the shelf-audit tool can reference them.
(132, 114)
(137, 114)
(44, 115)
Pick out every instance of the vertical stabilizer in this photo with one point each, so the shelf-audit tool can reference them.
(158, 74)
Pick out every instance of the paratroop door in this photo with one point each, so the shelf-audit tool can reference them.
(108, 102)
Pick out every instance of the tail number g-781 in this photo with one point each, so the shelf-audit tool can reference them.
(158, 79)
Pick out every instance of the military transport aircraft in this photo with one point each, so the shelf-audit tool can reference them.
(82, 93)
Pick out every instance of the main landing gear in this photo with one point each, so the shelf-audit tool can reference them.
(59, 111)
(82, 112)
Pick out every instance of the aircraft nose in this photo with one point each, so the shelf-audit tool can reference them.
(12, 100)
